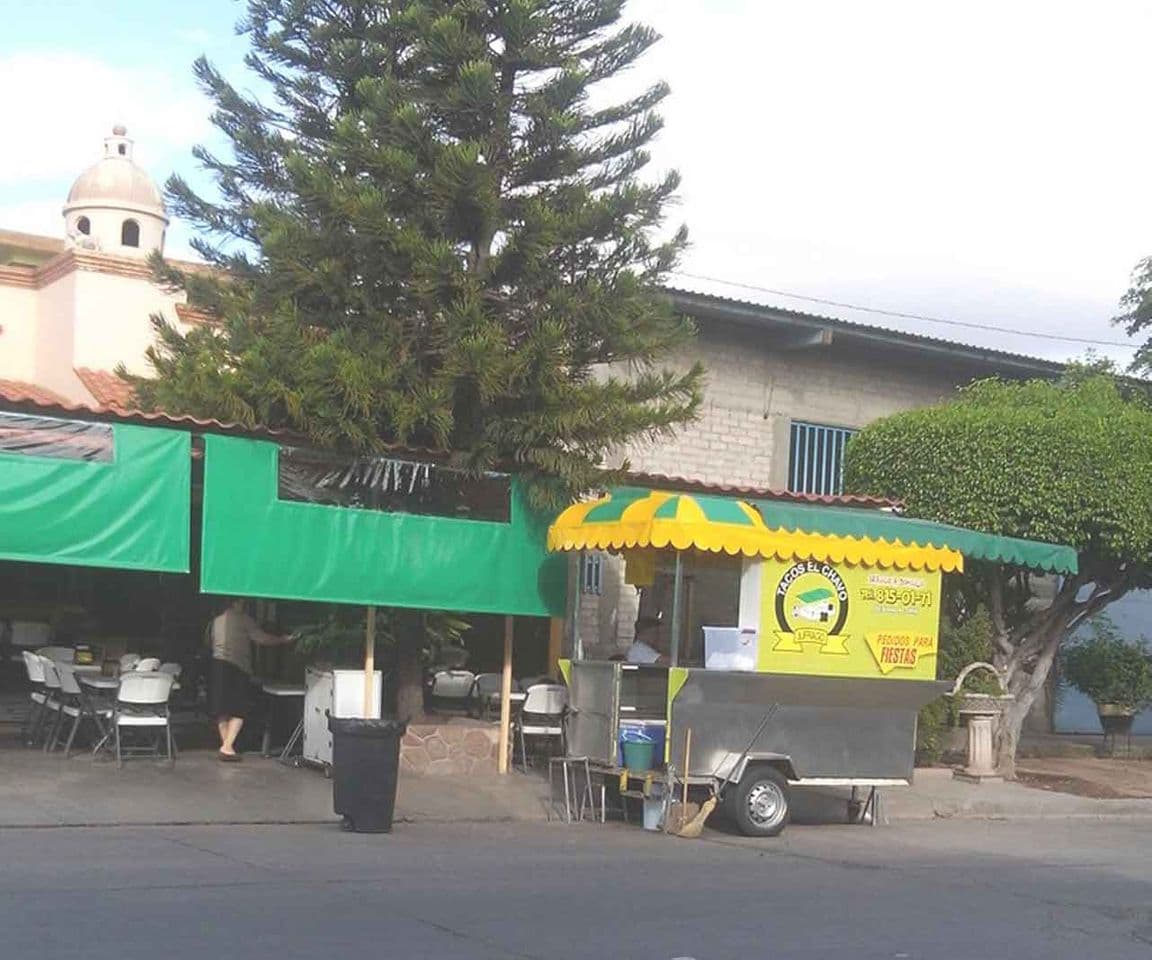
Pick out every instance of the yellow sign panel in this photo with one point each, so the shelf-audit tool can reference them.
(840, 621)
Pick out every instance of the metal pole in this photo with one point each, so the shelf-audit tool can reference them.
(677, 601)
(506, 697)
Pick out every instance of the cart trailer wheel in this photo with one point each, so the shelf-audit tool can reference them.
(759, 802)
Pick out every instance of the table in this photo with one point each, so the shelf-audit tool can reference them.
(103, 684)
(277, 691)
(98, 681)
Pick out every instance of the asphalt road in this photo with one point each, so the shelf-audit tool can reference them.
(950, 889)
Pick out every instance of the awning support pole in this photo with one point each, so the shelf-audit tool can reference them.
(555, 642)
(369, 661)
(677, 601)
(574, 565)
(506, 698)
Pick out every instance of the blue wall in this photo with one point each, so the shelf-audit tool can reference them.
(1076, 713)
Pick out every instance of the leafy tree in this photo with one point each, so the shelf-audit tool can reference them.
(433, 232)
(1137, 312)
(1065, 462)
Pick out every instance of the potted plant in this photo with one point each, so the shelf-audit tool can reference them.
(1114, 672)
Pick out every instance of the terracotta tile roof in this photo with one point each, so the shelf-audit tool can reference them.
(17, 397)
(17, 391)
(106, 388)
(189, 314)
(686, 485)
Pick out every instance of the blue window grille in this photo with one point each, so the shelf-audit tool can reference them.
(816, 458)
(592, 574)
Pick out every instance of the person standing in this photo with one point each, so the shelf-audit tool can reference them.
(233, 634)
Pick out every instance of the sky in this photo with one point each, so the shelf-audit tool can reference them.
(984, 163)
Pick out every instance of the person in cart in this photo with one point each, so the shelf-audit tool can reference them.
(648, 645)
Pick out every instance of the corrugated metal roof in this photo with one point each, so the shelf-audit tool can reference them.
(693, 302)
(662, 481)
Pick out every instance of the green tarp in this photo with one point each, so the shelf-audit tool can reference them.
(255, 544)
(131, 512)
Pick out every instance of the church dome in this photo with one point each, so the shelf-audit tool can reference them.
(114, 207)
(117, 181)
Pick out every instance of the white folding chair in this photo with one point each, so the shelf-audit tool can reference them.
(36, 698)
(52, 699)
(148, 665)
(541, 716)
(452, 688)
(77, 705)
(142, 703)
(129, 661)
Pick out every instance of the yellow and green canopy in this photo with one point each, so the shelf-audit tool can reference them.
(630, 518)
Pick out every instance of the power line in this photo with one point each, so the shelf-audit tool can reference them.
(879, 311)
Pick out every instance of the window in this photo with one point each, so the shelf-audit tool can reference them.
(592, 574)
(84, 225)
(392, 486)
(816, 458)
(58, 439)
(130, 234)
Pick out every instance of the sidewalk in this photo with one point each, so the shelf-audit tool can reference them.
(48, 791)
(935, 793)
(42, 791)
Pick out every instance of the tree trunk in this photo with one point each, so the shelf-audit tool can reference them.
(409, 665)
(1026, 655)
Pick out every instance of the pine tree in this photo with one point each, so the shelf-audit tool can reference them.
(431, 233)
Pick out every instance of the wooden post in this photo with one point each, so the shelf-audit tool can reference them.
(369, 661)
(506, 697)
(555, 638)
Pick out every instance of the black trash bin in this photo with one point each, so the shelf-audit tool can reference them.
(365, 766)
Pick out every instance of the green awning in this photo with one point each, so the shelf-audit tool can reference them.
(94, 495)
(259, 543)
(881, 525)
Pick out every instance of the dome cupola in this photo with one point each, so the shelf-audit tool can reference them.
(114, 206)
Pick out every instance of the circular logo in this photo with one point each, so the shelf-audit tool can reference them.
(811, 596)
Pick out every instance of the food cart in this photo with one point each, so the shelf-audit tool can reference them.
(827, 654)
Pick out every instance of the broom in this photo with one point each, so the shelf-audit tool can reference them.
(692, 829)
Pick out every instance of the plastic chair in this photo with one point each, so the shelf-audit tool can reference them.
(452, 688)
(142, 703)
(52, 698)
(541, 716)
(129, 661)
(148, 665)
(37, 697)
(76, 704)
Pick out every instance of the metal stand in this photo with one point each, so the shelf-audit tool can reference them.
(569, 766)
(867, 812)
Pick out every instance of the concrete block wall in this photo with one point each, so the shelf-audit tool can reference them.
(754, 392)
